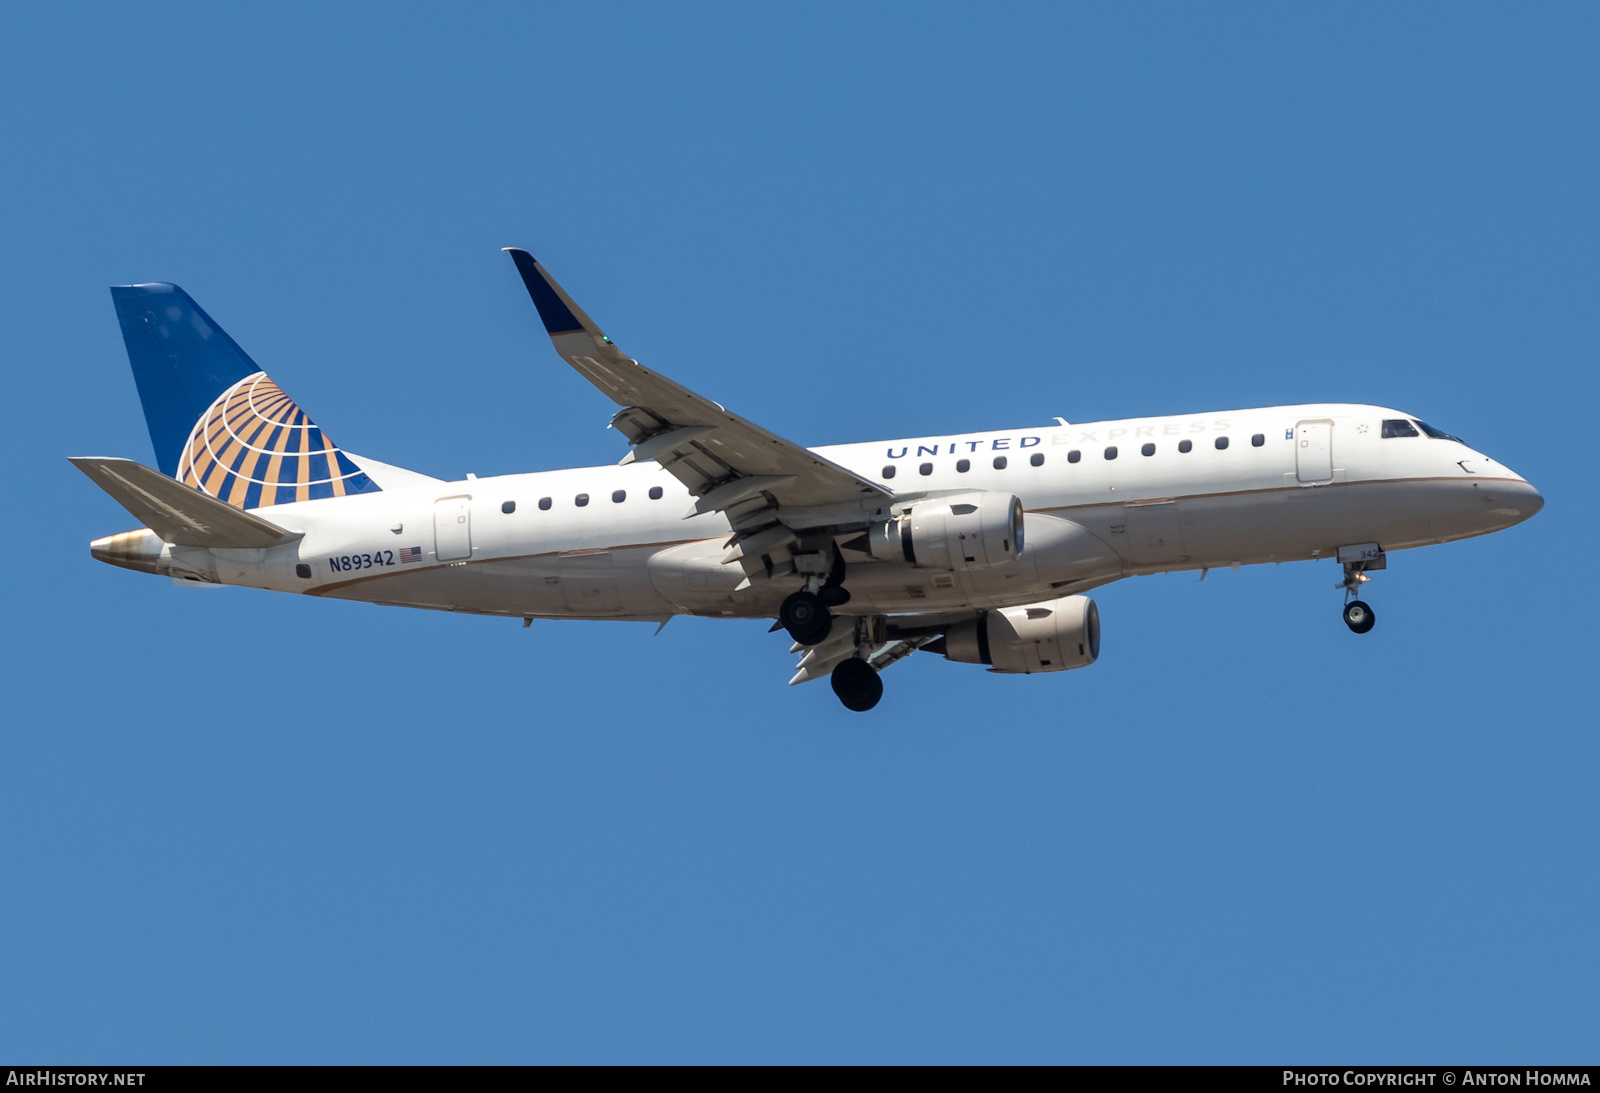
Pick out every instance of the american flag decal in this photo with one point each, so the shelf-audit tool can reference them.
(410, 554)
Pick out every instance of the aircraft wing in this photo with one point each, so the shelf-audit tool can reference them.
(180, 514)
(730, 465)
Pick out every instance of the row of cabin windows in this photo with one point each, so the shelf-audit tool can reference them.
(965, 465)
(1037, 458)
(617, 497)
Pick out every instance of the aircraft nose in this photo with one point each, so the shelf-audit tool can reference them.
(1523, 499)
(1535, 502)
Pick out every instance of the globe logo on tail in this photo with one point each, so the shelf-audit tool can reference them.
(254, 448)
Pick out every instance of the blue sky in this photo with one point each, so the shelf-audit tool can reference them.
(246, 827)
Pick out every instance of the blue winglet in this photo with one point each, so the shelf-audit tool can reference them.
(553, 310)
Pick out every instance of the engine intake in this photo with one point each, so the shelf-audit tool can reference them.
(1053, 636)
(977, 530)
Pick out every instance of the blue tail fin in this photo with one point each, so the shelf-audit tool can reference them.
(216, 420)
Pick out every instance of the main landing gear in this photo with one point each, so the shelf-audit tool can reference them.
(805, 613)
(857, 683)
(806, 617)
(855, 678)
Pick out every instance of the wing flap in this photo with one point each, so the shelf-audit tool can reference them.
(178, 513)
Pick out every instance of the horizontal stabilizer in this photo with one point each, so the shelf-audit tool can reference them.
(178, 513)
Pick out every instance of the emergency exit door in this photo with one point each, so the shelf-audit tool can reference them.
(1313, 451)
(452, 529)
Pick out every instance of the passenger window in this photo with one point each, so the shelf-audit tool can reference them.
(999, 462)
(581, 500)
(1185, 446)
(655, 493)
(888, 472)
(1258, 440)
(963, 466)
(544, 503)
(1222, 443)
(1037, 459)
(1398, 427)
(926, 468)
(1074, 455)
(508, 507)
(618, 496)
(1111, 452)
(1148, 449)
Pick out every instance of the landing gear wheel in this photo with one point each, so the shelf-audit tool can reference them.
(833, 596)
(857, 684)
(805, 617)
(1359, 617)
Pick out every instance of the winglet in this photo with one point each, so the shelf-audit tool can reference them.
(556, 309)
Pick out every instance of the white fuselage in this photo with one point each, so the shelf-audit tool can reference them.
(1320, 477)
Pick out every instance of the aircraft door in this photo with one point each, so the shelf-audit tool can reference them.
(1313, 451)
(452, 529)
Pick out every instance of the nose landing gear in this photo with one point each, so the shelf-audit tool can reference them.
(1359, 616)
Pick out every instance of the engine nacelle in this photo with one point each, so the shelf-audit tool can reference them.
(977, 530)
(1052, 636)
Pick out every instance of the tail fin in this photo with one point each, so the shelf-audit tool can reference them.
(217, 422)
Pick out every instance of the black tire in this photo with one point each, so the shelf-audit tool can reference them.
(806, 618)
(1359, 617)
(858, 684)
(833, 596)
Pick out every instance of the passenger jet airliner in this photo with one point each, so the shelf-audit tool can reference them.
(978, 547)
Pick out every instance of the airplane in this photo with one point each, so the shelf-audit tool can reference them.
(978, 546)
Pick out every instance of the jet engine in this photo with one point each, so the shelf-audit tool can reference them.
(1052, 636)
(977, 530)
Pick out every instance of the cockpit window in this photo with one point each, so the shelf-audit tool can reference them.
(1438, 434)
(1398, 427)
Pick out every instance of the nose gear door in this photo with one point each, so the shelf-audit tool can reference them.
(1313, 452)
